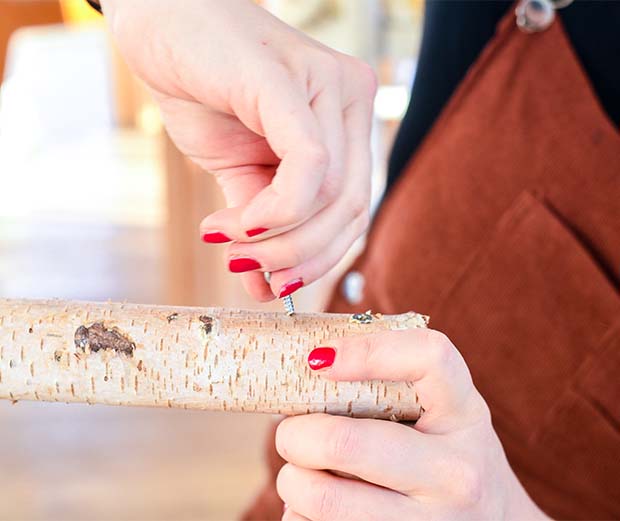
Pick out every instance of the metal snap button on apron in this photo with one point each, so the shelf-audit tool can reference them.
(353, 287)
(534, 15)
(537, 15)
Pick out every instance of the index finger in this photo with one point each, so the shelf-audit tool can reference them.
(423, 356)
(294, 134)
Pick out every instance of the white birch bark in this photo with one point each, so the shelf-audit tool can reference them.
(195, 358)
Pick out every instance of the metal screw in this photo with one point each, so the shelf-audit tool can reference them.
(289, 306)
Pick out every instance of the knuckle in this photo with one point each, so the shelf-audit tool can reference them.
(317, 154)
(328, 501)
(468, 483)
(330, 66)
(441, 350)
(292, 255)
(330, 189)
(480, 409)
(366, 77)
(295, 211)
(367, 352)
(358, 204)
(485, 412)
(343, 443)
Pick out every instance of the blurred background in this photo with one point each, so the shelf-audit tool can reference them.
(96, 203)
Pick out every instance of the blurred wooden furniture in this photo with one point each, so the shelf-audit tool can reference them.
(78, 11)
(197, 274)
(20, 13)
(94, 463)
(102, 463)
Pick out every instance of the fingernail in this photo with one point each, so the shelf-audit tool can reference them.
(321, 357)
(256, 231)
(242, 264)
(290, 287)
(216, 237)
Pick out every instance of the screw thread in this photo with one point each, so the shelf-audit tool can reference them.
(289, 307)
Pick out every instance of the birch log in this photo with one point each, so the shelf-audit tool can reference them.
(195, 358)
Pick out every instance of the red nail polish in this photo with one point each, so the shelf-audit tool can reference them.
(290, 287)
(321, 357)
(215, 237)
(256, 231)
(242, 264)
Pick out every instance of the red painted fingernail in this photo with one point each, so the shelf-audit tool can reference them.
(216, 237)
(256, 231)
(290, 287)
(241, 264)
(321, 357)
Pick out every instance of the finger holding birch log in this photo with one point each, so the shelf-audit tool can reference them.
(193, 358)
(450, 465)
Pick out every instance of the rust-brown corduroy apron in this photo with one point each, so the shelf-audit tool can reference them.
(505, 228)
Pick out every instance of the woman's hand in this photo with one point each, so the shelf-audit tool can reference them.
(282, 121)
(450, 465)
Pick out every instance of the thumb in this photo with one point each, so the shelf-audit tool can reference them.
(238, 187)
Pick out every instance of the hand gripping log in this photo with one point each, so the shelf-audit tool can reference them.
(194, 358)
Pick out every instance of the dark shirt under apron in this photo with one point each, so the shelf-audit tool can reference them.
(455, 32)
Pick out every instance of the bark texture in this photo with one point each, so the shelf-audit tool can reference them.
(198, 358)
